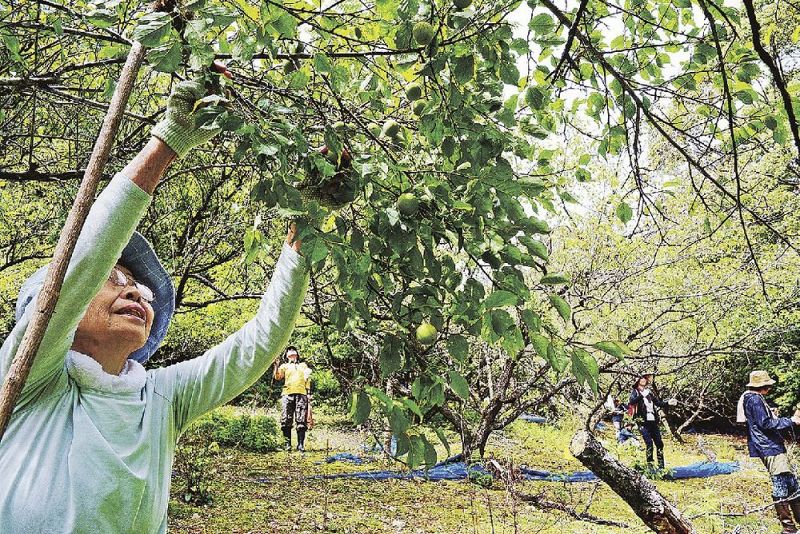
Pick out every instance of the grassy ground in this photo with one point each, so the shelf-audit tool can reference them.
(272, 492)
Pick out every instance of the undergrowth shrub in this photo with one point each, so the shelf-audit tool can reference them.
(194, 456)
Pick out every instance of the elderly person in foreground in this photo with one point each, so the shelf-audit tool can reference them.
(91, 442)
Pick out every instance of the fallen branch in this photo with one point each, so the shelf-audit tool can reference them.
(639, 493)
(507, 472)
(538, 502)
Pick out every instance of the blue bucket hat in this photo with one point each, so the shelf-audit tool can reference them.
(141, 259)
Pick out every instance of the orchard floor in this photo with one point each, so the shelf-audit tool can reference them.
(292, 503)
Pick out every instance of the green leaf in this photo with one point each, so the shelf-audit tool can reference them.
(429, 453)
(285, 25)
(561, 306)
(555, 279)
(501, 322)
(585, 368)
(464, 68)
(535, 247)
(556, 357)
(512, 341)
(298, 79)
(13, 46)
(535, 98)
(509, 73)
(500, 299)
(322, 63)
(411, 405)
(102, 18)
(624, 212)
(218, 16)
(458, 347)
(166, 58)
(542, 24)
(391, 359)
(540, 344)
(416, 453)
(531, 320)
(616, 349)
(360, 407)
(398, 421)
(771, 122)
(459, 385)
(403, 444)
(436, 394)
(152, 28)
(318, 251)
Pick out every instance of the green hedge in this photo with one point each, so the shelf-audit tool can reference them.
(252, 432)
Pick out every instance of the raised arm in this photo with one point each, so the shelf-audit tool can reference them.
(223, 372)
(106, 232)
(108, 227)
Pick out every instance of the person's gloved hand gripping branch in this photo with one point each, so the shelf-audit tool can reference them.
(91, 442)
(180, 128)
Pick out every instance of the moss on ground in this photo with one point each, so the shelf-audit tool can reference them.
(273, 492)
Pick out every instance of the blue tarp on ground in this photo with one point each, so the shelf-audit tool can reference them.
(454, 469)
(696, 470)
(346, 457)
(532, 418)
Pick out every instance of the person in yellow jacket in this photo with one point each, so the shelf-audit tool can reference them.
(296, 376)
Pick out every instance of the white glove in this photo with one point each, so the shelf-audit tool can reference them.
(672, 402)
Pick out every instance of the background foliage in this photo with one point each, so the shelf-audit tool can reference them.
(604, 187)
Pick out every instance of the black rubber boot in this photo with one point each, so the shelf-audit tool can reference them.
(287, 434)
(660, 454)
(301, 439)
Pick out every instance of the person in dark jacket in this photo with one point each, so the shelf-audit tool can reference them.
(644, 404)
(764, 441)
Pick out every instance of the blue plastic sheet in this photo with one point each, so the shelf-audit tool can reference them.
(455, 469)
(346, 457)
(703, 470)
(532, 418)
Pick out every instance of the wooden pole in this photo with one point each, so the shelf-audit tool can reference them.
(639, 493)
(48, 296)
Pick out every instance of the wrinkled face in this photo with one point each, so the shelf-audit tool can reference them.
(118, 315)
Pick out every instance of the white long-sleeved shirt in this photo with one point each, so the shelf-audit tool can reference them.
(87, 452)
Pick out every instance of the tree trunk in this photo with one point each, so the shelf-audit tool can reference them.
(638, 492)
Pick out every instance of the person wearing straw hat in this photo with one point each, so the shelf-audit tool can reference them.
(296, 376)
(764, 441)
(90, 445)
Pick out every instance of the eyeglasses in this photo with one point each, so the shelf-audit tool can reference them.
(120, 279)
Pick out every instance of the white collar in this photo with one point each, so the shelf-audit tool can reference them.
(88, 373)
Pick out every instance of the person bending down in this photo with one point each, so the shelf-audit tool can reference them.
(90, 445)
